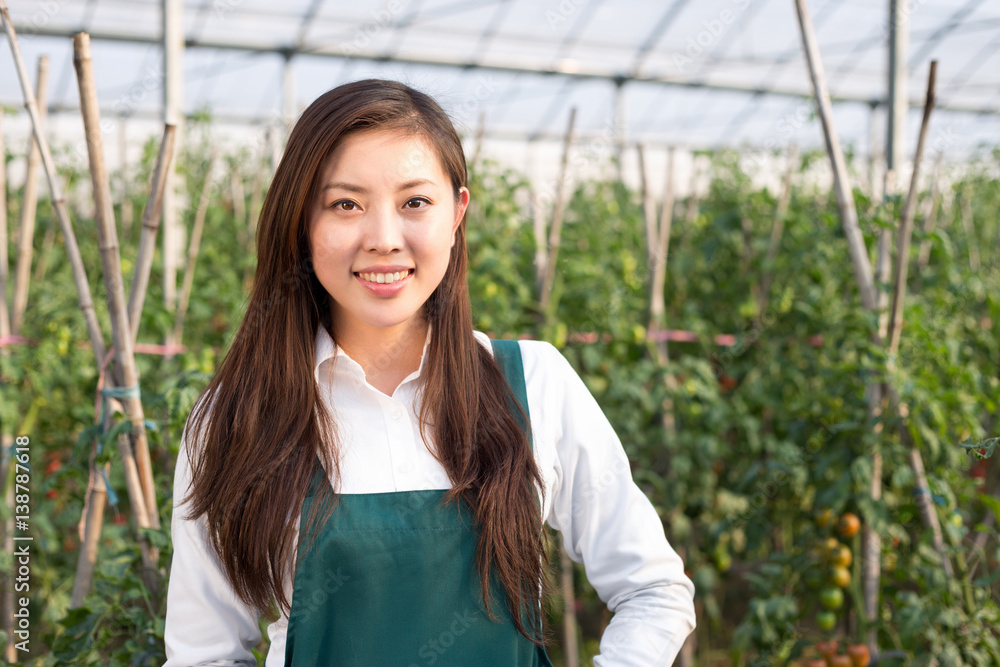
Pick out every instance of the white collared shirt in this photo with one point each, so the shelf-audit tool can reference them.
(605, 521)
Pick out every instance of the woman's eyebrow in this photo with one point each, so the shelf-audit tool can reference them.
(350, 187)
(415, 182)
(345, 186)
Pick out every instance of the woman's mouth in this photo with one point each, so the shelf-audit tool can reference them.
(383, 278)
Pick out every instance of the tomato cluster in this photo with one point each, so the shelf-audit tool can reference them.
(828, 573)
(831, 654)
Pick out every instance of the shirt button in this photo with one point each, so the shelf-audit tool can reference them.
(403, 469)
(397, 413)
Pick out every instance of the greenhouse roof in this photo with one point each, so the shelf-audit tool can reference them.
(694, 74)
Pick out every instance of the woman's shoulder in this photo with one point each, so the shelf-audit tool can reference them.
(531, 350)
(542, 360)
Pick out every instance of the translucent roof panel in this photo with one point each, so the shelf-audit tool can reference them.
(680, 72)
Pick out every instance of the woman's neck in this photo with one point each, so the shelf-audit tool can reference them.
(387, 355)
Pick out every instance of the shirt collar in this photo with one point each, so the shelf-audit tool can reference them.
(326, 350)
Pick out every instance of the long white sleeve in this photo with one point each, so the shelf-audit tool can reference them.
(206, 623)
(606, 522)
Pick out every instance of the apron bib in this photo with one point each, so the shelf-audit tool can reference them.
(391, 581)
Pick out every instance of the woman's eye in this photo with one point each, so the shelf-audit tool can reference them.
(416, 203)
(345, 205)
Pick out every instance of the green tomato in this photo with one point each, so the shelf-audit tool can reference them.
(826, 620)
(831, 598)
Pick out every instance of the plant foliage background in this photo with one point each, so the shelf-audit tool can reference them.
(770, 430)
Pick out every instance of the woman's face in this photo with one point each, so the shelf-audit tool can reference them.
(381, 229)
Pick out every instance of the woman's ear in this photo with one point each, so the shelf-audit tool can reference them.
(461, 204)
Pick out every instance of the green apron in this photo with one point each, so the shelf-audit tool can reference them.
(391, 581)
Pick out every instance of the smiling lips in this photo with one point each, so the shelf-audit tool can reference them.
(383, 278)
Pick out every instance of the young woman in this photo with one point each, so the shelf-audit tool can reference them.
(365, 467)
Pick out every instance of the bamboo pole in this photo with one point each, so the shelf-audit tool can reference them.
(923, 498)
(124, 191)
(538, 230)
(845, 198)
(777, 231)
(150, 227)
(555, 230)
(256, 192)
(906, 221)
(92, 519)
(571, 645)
(239, 195)
(4, 261)
(648, 211)
(657, 249)
(86, 560)
(547, 273)
(969, 229)
(930, 214)
(193, 246)
(869, 299)
(58, 201)
(29, 208)
(137, 466)
(478, 147)
(657, 302)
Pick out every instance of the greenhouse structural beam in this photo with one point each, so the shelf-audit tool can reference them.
(898, 86)
(173, 90)
(503, 68)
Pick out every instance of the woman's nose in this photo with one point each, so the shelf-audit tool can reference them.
(384, 231)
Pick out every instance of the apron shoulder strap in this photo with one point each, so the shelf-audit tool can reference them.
(508, 355)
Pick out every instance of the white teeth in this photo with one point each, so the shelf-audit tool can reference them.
(384, 278)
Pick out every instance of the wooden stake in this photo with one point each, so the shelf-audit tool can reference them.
(658, 254)
(969, 229)
(930, 215)
(906, 221)
(92, 520)
(480, 134)
(777, 230)
(570, 641)
(845, 198)
(648, 211)
(58, 202)
(124, 189)
(4, 261)
(923, 498)
(661, 249)
(97, 497)
(256, 194)
(150, 227)
(555, 230)
(29, 207)
(238, 195)
(137, 469)
(194, 244)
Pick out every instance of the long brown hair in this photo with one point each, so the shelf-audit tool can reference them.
(260, 425)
